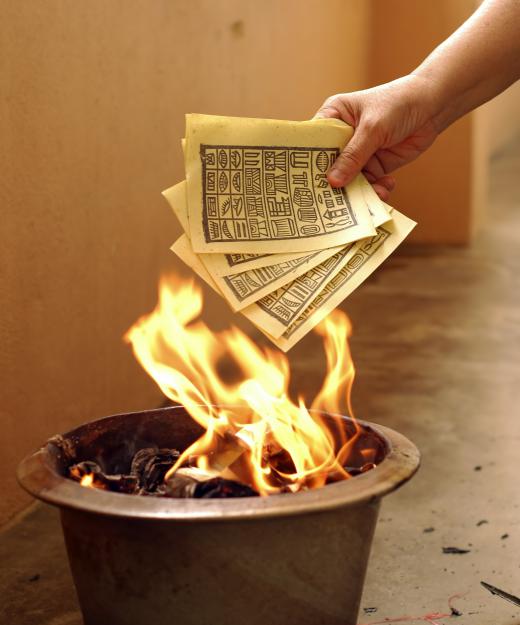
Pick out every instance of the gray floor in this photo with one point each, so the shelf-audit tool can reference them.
(436, 344)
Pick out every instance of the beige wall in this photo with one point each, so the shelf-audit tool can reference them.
(500, 119)
(446, 189)
(436, 189)
(91, 112)
(92, 98)
(495, 125)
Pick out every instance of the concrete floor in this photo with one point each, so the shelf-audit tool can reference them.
(436, 344)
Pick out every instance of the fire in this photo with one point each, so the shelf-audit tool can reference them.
(254, 432)
(87, 480)
(85, 474)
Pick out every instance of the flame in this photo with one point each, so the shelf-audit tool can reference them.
(87, 480)
(253, 430)
(86, 476)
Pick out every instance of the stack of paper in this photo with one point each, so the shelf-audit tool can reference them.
(264, 228)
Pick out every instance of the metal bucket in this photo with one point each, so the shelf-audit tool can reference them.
(290, 559)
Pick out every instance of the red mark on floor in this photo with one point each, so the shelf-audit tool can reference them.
(432, 618)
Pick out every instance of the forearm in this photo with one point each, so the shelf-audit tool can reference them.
(480, 59)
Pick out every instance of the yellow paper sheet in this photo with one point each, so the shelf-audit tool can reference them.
(362, 259)
(365, 259)
(244, 288)
(226, 264)
(378, 211)
(249, 286)
(182, 248)
(259, 186)
(176, 198)
(274, 313)
(231, 264)
(277, 311)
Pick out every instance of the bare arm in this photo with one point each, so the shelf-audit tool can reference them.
(395, 122)
(477, 62)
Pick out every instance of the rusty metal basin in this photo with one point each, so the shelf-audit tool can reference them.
(289, 559)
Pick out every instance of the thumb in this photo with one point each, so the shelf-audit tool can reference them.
(354, 157)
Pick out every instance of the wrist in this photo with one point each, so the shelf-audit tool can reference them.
(436, 96)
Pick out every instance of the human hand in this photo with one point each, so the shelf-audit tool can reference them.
(393, 124)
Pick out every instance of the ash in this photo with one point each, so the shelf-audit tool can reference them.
(147, 477)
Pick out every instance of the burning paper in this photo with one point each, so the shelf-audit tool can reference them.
(254, 433)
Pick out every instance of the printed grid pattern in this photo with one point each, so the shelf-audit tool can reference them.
(249, 282)
(267, 193)
(341, 278)
(286, 303)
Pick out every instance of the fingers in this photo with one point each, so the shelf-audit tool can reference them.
(328, 109)
(381, 191)
(374, 168)
(388, 182)
(384, 186)
(355, 155)
(338, 107)
(327, 112)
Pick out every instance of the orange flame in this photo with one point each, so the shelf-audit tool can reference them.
(87, 480)
(254, 432)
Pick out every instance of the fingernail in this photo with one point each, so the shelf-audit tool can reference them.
(335, 177)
